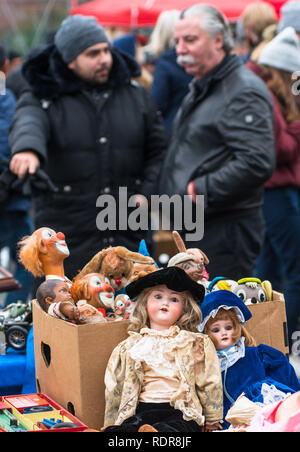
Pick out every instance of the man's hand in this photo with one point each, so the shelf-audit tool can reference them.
(24, 162)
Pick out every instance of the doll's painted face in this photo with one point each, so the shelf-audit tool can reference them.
(52, 243)
(123, 306)
(100, 292)
(193, 269)
(62, 293)
(164, 307)
(222, 332)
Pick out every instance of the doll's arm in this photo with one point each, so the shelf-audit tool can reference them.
(114, 380)
(278, 367)
(209, 386)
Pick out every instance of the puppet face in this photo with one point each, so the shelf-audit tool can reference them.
(99, 292)
(222, 331)
(123, 306)
(62, 293)
(52, 243)
(164, 307)
(193, 269)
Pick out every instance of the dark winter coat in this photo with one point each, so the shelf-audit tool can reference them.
(91, 141)
(223, 141)
(15, 200)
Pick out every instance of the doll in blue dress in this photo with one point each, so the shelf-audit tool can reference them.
(261, 372)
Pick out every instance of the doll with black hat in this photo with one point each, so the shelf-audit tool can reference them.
(262, 373)
(165, 376)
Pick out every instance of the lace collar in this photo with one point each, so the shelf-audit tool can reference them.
(231, 355)
(173, 331)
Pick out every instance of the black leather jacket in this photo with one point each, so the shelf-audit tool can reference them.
(223, 141)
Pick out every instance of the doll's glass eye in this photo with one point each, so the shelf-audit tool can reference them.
(123, 275)
(242, 294)
(111, 276)
(261, 295)
(95, 281)
(47, 234)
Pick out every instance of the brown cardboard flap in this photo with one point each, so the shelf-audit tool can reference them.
(71, 361)
(268, 324)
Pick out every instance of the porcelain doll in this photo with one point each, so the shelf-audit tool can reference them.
(43, 253)
(261, 372)
(165, 376)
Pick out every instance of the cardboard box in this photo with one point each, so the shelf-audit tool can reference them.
(164, 247)
(71, 360)
(268, 324)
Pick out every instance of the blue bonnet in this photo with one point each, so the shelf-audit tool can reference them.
(226, 299)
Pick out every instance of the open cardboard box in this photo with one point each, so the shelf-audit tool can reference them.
(71, 360)
(268, 324)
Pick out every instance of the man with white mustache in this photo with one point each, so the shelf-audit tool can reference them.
(222, 143)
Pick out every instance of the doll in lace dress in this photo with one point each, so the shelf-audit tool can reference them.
(262, 373)
(165, 376)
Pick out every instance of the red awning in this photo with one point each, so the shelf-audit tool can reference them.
(144, 13)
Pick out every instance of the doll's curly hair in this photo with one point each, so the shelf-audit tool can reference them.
(239, 330)
(189, 319)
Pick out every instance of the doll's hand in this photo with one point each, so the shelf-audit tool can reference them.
(70, 311)
(212, 427)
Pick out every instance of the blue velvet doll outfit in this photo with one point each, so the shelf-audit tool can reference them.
(246, 369)
(261, 364)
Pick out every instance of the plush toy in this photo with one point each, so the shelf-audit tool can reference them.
(43, 253)
(252, 290)
(221, 283)
(116, 264)
(191, 260)
(94, 289)
(140, 270)
(123, 307)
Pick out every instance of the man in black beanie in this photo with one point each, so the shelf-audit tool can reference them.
(92, 130)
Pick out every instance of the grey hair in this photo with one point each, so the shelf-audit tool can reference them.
(212, 21)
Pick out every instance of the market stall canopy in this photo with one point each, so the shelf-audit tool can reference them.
(144, 13)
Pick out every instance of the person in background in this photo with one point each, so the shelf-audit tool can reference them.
(222, 146)
(279, 260)
(170, 81)
(256, 17)
(15, 218)
(92, 130)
